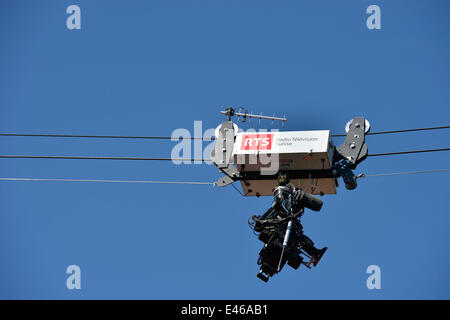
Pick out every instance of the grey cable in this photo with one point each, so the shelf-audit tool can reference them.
(97, 158)
(109, 181)
(99, 136)
(362, 175)
(406, 152)
(397, 131)
(178, 138)
(182, 159)
(238, 190)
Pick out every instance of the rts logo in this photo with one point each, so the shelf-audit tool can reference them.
(257, 141)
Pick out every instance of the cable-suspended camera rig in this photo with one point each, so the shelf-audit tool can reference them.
(291, 166)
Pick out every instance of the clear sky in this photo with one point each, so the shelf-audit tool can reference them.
(150, 67)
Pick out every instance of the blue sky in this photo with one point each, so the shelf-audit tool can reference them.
(149, 67)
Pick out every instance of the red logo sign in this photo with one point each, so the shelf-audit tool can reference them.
(257, 141)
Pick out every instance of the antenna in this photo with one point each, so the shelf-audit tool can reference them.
(239, 117)
(229, 112)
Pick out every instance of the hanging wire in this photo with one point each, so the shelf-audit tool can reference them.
(397, 131)
(362, 175)
(101, 136)
(98, 158)
(182, 159)
(407, 152)
(109, 181)
(187, 138)
(238, 190)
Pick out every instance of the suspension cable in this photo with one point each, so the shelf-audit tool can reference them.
(397, 131)
(187, 138)
(362, 175)
(98, 158)
(407, 152)
(183, 159)
(238, 190)
(109, 181)
(100, 136)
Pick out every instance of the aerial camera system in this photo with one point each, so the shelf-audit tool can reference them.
(292, 167)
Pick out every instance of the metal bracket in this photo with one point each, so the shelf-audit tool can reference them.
(223, 150)
(231, 175)
(354, 148)
(223, 153)
(353, 151)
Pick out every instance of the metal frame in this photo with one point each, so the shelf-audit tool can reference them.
(345, 159)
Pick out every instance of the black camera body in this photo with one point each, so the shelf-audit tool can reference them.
(279, 249)
(269, 256)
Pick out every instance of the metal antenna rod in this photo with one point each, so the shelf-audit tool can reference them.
(240, 114)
